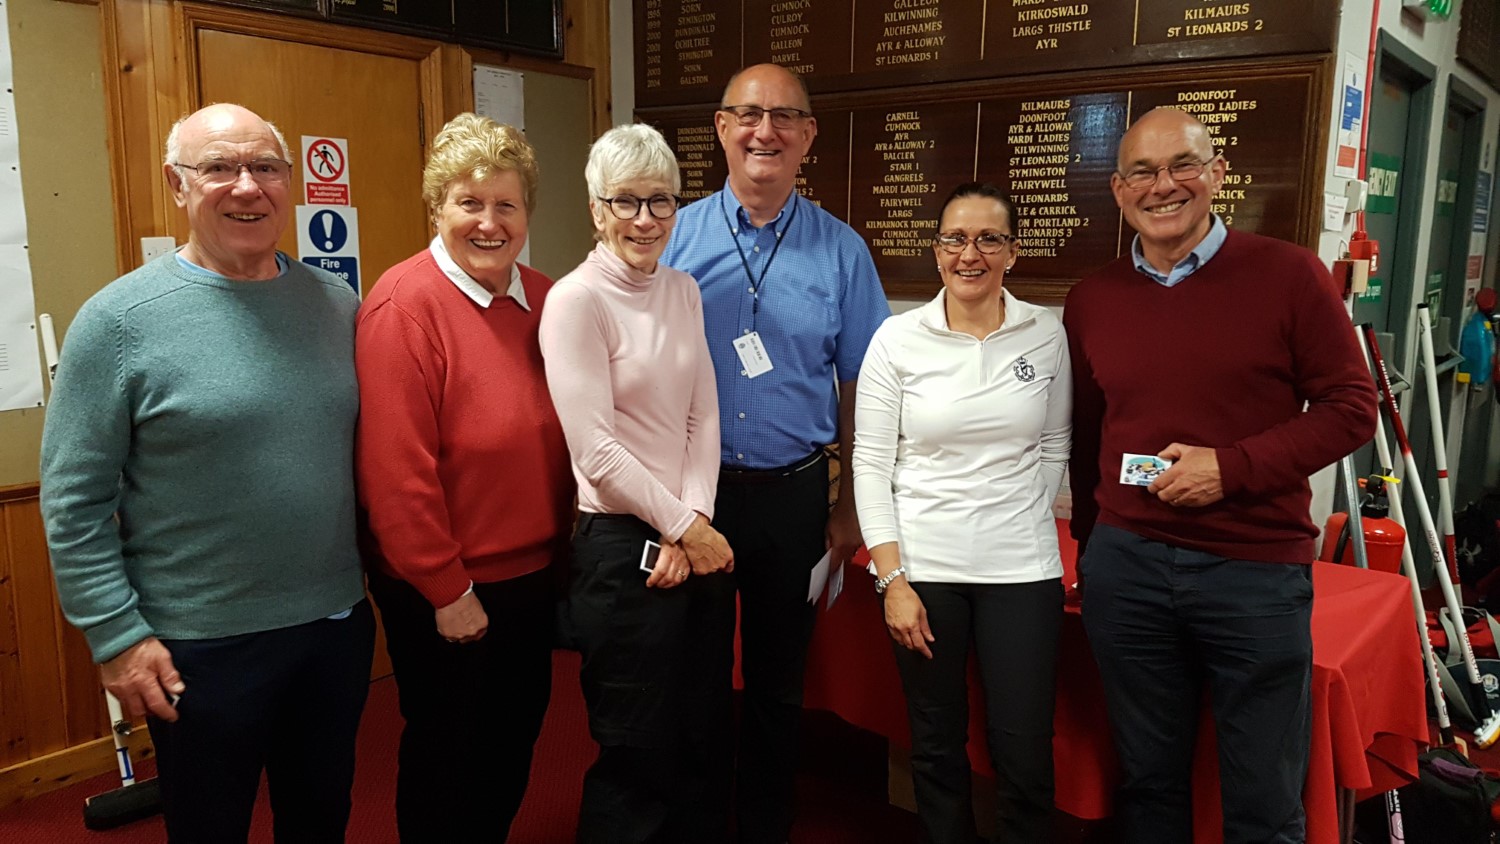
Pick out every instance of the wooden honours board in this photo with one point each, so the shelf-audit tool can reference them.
(686, 49)
(884, 161)
(532, 26)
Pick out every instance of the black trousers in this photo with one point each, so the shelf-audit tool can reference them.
(1163, 622)
(1013, 628)
(775, 524)
(649, 697)
(285, 701)
(473, 711)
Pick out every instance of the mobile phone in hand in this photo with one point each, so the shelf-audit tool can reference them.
(649, 555)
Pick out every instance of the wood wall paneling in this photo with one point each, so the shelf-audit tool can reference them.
(885, 160)
(50, 698)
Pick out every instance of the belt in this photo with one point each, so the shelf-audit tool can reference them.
(760, 476)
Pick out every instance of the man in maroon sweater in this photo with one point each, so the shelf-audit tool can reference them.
(1201, 347)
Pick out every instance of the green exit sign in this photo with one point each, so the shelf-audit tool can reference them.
(1430, 9)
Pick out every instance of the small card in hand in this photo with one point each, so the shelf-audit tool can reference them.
(1142, 469)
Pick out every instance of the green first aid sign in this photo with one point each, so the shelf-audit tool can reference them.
(1385, 172)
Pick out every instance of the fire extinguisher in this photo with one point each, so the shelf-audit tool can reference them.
(1384, 538)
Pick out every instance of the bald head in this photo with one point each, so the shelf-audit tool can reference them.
(1165, 186)
(1186, 131)
(228, 168)
(769, 76)
(217, 120)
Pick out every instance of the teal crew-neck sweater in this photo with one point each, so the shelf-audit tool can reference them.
(197, 458)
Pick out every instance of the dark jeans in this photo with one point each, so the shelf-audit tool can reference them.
(776, 527)
(284, 701)
(1162, 622)
(647, 695)
(473, 711)
(1013, 628)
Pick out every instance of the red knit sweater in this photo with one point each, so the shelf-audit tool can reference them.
(461, 462)
(1224, 359)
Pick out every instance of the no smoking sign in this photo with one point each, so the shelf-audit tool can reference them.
(326, 163)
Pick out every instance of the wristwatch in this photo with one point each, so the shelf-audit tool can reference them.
(883, 582)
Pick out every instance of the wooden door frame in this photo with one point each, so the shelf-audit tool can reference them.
(1421, 75)
(151, 74)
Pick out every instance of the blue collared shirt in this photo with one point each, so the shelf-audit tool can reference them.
(815, 308)
(1206, 249)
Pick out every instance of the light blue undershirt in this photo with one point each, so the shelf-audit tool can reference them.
(1201, 254)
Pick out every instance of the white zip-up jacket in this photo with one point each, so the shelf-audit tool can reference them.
(960, 444)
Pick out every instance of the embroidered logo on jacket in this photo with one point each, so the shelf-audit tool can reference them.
(1024, 370)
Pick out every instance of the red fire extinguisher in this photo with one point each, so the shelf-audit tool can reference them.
(1384, 538)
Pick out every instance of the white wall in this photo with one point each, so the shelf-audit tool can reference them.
(1435, 42)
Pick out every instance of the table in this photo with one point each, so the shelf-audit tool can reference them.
(1369, 716)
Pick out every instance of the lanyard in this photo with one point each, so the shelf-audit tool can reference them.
(755, 283)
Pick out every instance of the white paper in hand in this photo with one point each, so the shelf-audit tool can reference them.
(835, 585)
(818, 578)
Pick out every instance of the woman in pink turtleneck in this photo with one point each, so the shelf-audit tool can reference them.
(630, 376)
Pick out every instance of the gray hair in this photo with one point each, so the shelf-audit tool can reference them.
(174, 142)
(627, 153)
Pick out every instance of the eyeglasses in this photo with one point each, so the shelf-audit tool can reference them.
(781, 118)
(1182, 171)
(988, 243)
(661, 206)
(265, 171)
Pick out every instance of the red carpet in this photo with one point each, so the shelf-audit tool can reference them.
(841, 789)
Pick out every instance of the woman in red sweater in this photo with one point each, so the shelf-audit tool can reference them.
(464, 476)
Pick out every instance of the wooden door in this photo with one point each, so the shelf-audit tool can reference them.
(373, 101)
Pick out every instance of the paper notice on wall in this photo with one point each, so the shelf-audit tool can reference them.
(20, 360)
(500, 96)
(1351, 118)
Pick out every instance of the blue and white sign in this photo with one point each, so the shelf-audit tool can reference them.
(328, 238)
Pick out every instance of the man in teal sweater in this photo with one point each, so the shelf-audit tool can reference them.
(197, 488)
(1202, 577)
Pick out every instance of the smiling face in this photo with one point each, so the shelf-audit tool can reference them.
(762, 155)
(971, 276)
(1171, 216)
(233, 226)
(640, 240)
(483, 226)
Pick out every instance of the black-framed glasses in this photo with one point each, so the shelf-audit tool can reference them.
(662, 206)
(1183, 171)
(220, 171)
(988, 243)
(781, 117)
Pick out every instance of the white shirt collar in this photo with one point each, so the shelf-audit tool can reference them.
(466, 283)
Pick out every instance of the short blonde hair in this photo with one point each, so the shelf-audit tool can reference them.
(474, 147)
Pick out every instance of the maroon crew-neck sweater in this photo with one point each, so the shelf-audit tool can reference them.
(1225, 359)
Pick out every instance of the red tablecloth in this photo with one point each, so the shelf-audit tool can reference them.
(1369, 715)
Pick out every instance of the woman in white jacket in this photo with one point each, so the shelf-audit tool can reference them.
(962, 432)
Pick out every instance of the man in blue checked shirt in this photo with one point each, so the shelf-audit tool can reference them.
(790, 301)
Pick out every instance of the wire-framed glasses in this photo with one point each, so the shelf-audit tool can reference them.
(219, 171)
(1182, 171)
(988, 243)
(781, 118)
